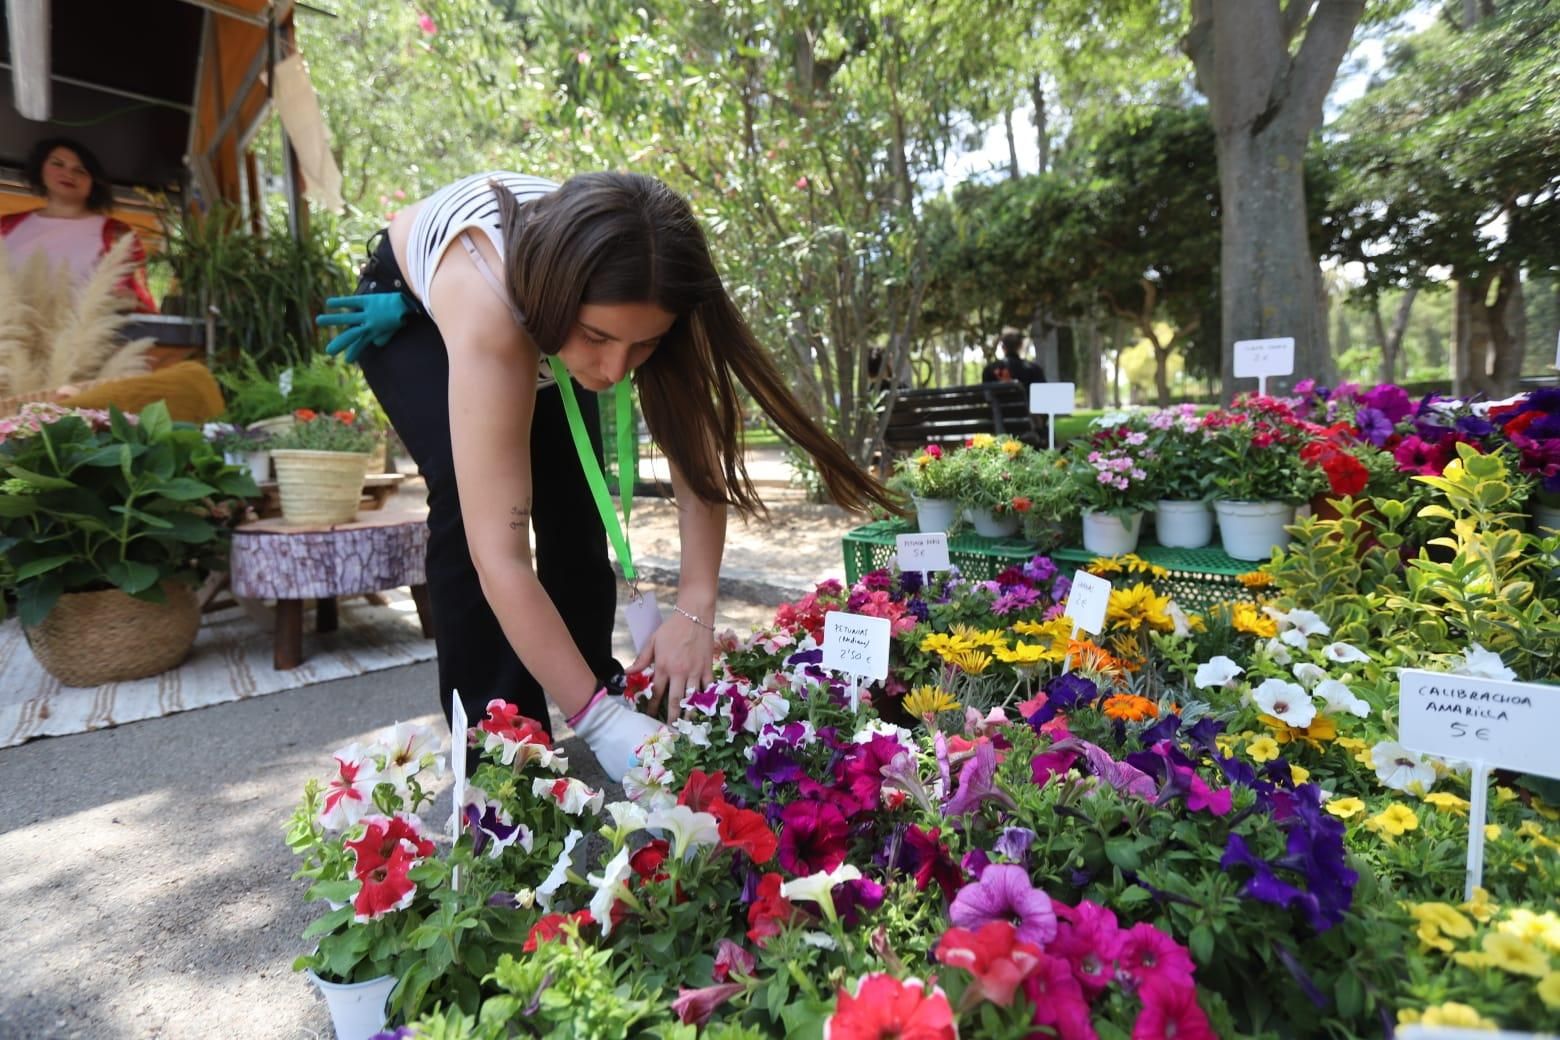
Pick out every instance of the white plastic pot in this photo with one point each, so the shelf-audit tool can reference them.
(933, 515)
(357, 1009)
(990, 525)
(1183, 525)
(1106, 534)
(1252, 530)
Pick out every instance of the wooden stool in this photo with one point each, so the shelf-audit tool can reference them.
(291, 563)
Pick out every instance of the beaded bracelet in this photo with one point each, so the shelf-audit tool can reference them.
(693, 617)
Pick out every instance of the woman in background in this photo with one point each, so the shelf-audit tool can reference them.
(73, 227)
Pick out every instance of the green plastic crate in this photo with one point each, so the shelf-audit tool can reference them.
(1199, 578)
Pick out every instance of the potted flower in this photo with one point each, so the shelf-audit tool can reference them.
(106, 522)
(1180, 478)
(982, 474)
(320, 462)
(1111, 482)
(1258, 474)
(926, 478)
(1043, 497)
(368, 855)
(241, 446)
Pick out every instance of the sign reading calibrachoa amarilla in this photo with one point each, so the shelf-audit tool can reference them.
(1506, 724)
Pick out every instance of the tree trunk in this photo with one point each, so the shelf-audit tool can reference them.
(1265, 105)
(1343, 336)
(1490, 340)
(1093, 371)
(1042, 338)
(1012, 143)
(1508, 334)
(1042, 142)
(1390, 343)
(1435, 349)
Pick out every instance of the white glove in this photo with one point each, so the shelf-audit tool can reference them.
(614, 731)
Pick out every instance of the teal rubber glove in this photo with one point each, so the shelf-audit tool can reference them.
(369, 320)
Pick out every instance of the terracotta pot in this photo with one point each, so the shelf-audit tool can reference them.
(92, 638)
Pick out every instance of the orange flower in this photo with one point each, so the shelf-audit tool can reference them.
(1022, 504)
(348, 416)
(1090, 657)
(1129, 707)
(306, 415)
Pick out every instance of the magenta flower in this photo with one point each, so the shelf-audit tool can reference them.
(1090, 940)
(1004, 893)
(812, 838)
(1147, 953)
(1170, 1010)
(928, 859)
(695, 1006)
(729, 957)
(977, 783)
(1058, 1000)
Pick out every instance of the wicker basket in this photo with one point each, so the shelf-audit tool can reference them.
(319, 487)
(92, 638)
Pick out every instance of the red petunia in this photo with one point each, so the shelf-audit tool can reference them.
(885, 1007)
(746, 830)
(1346, 475)
(505, 720)
(647, 861)
(551, 926)
(704, 792)
(347, 416)
(386, 887)
(770, 911)
(381, 838)
(305, 414)
(994, 955)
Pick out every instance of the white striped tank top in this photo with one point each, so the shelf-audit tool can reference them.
(466, 204)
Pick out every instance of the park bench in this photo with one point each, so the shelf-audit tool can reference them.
(951, 415)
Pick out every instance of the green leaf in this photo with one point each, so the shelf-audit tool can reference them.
(155, 421)
(33, 568)
(182, 489)
(38, 480)
(146, 518)
(1351, 995)
(132, 576)
(1200, 941)
(15, 506)
(35, 599)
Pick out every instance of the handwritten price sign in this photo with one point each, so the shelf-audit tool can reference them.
(1506, 724)
(855, 644)
(922, 552)
(1260, 358)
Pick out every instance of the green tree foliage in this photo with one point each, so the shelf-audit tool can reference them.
(1453, 159)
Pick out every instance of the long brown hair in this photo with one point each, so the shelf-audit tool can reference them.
(605, 238)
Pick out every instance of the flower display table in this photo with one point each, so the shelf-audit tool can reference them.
(1198, 577)
(276, 560)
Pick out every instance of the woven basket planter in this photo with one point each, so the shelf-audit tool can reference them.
(319, 487)
(92, 638)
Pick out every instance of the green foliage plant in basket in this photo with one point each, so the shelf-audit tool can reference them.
(255, 392)
(321, 461)
(106, 522)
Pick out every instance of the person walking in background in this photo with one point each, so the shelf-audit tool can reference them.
(510, 283)
(1011, 365)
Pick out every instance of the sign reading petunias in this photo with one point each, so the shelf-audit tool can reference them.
(922, 552)
(1087, 601)
(1497, 723)
(855, 644)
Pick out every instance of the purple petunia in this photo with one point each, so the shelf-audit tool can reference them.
(977, 784)
(1392, 402)
(812, 838)
(1004, 894)
(1374, 425)
(1014, 843)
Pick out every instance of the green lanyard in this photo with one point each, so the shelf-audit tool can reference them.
(627, 463)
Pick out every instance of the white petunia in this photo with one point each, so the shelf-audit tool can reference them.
(1285, 701)
(1295, 638)
(1484, 664)
(1181, 624)
(1336, 696)
(657, 747)
(878, 727)
(571, 795)
(1277, 652)
(767, 707)
(1216, 671)
(559, 873)
(818, 888)
(628, 817)
(1344, 653)
(1308, 623)
(1401, 769)
(607, 884)
(1309, 674)
(687, 829)
(408, 749)
(650, 785)
(698, 733)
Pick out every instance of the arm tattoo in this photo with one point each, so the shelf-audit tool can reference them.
(520, 516)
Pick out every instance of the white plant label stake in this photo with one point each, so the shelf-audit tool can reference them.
(856, 645)
(1260, 358)
(1486, 722)
(1051, 400)
(1086, 603)
(458, 735)
(922, 552)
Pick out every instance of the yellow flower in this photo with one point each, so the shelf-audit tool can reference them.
(1515, 955)
(1056, 628)
(1444, 918)
(1351, 743)
(1255, 579)
(971, 662)
(1472, 959)
(973, 637)
(1533, 829)
(1549, 990)
(923, 460)
(1104, 566)
(1432, 938)
(942, 644)
(1491, 831)
(1136, 607)
(1225, 745)
(1546, 810)
(1408, 1016)
(1024, 654)
(1393, 821)
(1453, 1014)
(1504, 794)
(927, 701)
(1298, 774)
(1263, 749)
(1480, 907)
(982, 440)
(1011, 448)
(1247, 618)
(1321, 729)
(1448, 802)
(1343, 808)
(1525, 924)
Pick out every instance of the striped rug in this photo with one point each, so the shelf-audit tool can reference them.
(231, 661)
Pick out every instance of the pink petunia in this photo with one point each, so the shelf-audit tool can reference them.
(1004, 893)
(1147, 953)
(1170, 1010)
(1090, 940)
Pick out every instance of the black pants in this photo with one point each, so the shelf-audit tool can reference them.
(410, 375)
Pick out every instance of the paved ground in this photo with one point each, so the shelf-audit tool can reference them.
(147, 889)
